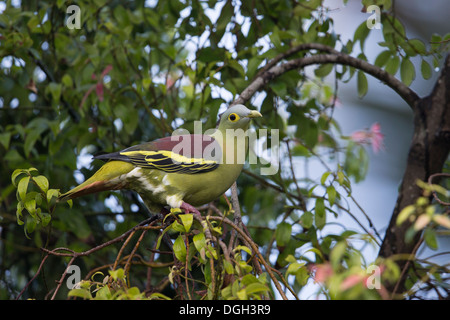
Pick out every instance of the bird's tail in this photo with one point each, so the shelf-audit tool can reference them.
(106, 178)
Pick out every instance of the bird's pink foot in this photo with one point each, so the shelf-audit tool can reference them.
(189, 209)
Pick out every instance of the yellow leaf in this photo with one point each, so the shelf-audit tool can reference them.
(442, 220)
(421, 222)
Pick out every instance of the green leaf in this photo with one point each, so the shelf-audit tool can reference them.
(306, 220)
(275, 38)
(320, 216)
(209, 54)
(33, 23)
(243, 248)
(42, 183)
(435, 41)
(30, 140)
(302, 276)
(52, 193)
(55, 90)
(324, 177)
(179, 249)
(307, 129)
(324, 70)
(255, 287)
(418, 46)
(159, 296)
(405, 213)
(121, 15)
(392, 65)
(30, 225)
(320, 207)
(407, 71)
(129, 116)
(103, 293)
(331, 191)
(31, 170)
(279, 87)
(430, 238)
(242, 294)
(293, 267)
(224, 17)
(80, 293)
(283, 233)
(15, 174)
(362, 84)
(187, 220)
(236, 66)
(67, 81)
(45, 218)
(361, 34)
(19, 215)
(425, 68)
(249, 279)
(178, 227)
(383, 58)
(337, 253)
(158, 242)
(30, 205)
(252, 67)
(5, 138)
(22, 187)
(199, 241)
(118, 274)
(228, 267)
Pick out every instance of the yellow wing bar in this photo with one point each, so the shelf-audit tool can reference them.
(169, 161)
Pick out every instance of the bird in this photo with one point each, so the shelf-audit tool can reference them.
(181, 171)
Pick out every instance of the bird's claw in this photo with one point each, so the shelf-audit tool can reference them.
(189, 209)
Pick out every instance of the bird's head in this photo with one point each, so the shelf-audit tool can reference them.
(237, 117)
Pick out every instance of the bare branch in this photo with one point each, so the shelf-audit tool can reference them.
(335, 57)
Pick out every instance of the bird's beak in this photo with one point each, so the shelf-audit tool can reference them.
(254, 114)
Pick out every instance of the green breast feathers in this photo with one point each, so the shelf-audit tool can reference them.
(181, 171)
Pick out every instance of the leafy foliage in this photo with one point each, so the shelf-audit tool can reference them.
(137, 70)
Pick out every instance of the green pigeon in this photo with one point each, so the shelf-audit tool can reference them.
(181, 171)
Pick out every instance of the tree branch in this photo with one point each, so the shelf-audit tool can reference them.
(335, 57)
(428, 152)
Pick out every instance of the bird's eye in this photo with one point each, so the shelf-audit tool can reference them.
(233, 117)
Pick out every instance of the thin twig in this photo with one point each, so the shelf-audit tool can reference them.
(61, 280)
(430, 182)
(73, 254)
(133, 252)
(255, 249)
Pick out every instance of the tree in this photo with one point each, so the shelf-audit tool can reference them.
(104, 75)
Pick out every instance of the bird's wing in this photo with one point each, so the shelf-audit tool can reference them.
(191, 154)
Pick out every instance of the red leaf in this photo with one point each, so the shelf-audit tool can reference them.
(99, 90)
(351, 281)
(106, 71)
(85, 96)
